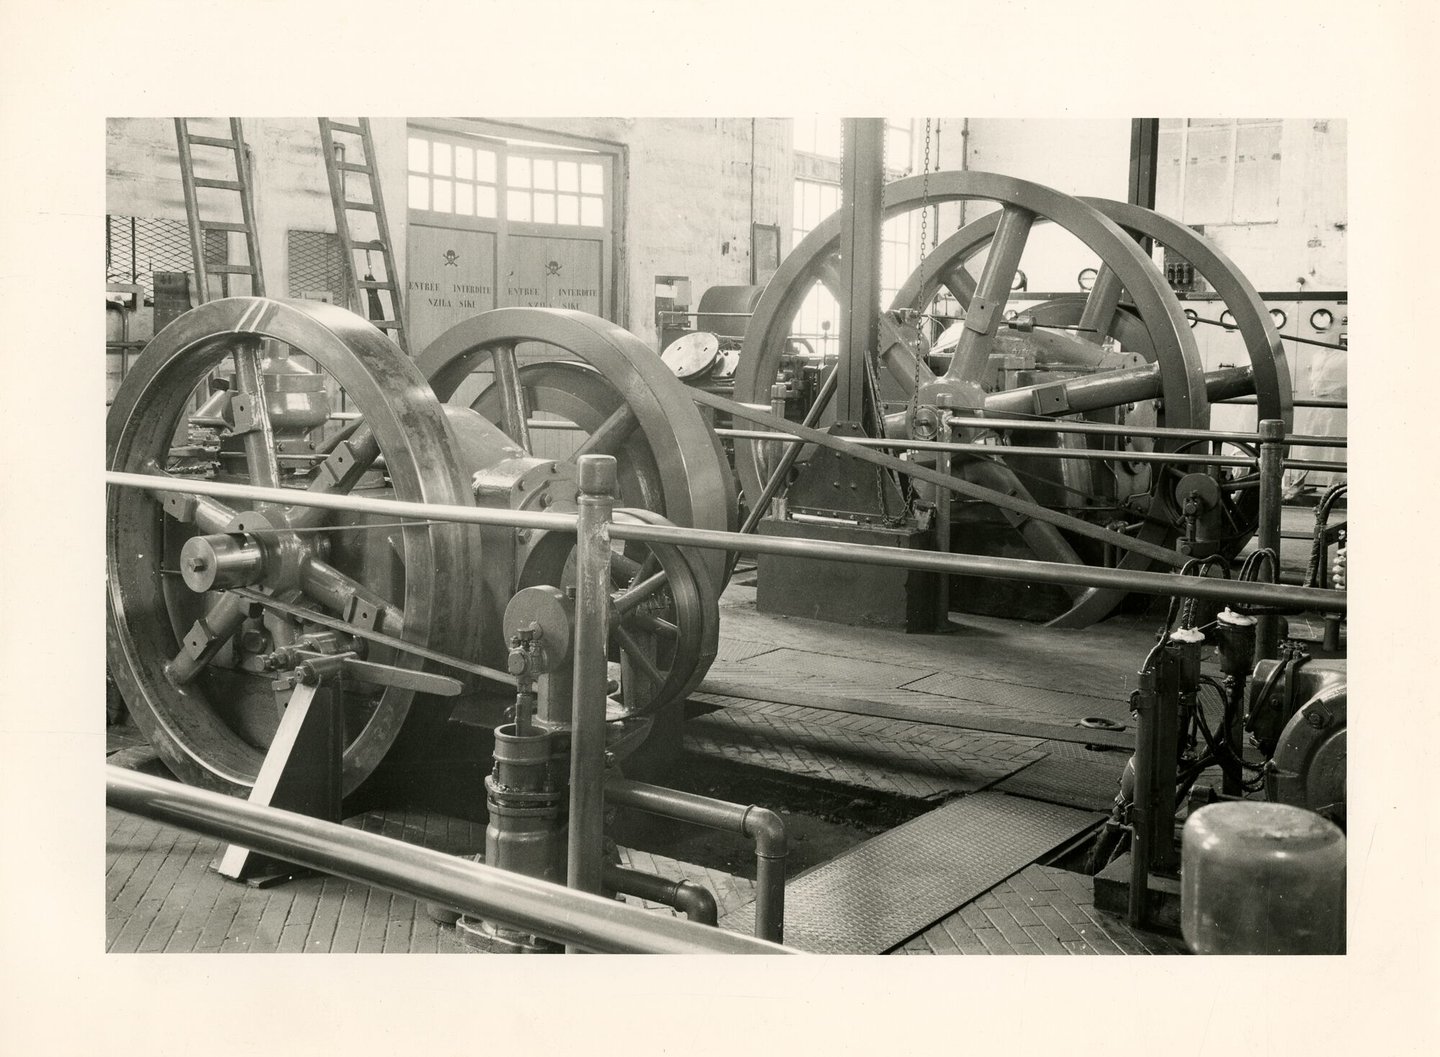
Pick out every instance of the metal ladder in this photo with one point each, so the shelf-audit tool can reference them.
(393, 321)
(241, 185)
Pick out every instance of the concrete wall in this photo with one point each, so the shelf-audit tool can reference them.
(690, 191)
(142, 178)
(1302, 242)
(1305, 239)
(688, 198)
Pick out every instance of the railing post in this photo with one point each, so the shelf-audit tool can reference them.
(1272, 497)
(592, 633)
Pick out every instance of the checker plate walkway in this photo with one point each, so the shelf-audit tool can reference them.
(908, 759)
(881, 893)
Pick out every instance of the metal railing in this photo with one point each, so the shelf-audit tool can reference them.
(579, 919)
(1023, 569)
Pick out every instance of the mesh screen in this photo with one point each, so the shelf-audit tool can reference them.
(137, 247)
(317, 265)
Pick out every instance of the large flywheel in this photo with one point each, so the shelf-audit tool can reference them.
(967, 386)
(609, 394)
(202, 593)
(1104, 314)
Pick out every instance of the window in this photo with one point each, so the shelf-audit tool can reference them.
(824, 137)
(818, 135)
(540, 190)
(818, 320)
(1219, 170)
(452, 177)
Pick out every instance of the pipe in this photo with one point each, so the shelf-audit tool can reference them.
(763, 826)
(1341, 405)
(526, 903)
(1267, 535)
(1010, 449)
(1105, 429)
(1022, 569)
(692, 900)
(710, 539)
(596, 475)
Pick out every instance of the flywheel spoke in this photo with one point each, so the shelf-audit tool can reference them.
(355, 602)
(515, 407)
(992, 293)
(253, 419)
(208, 514)
(628, 600)
(1101, 305)
(338, 474)
(637, 654)
(206, 638)
(612, 434)
(653, 624)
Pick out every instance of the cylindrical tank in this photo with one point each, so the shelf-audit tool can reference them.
(1262, 878)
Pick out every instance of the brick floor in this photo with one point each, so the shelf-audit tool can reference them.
(162, 896)
(1040, 910)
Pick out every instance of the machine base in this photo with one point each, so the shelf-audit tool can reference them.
(1112, 895)
(843, 593)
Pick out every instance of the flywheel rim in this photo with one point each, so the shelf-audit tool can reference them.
(1174, 346)
(697, 487)
(182, 724)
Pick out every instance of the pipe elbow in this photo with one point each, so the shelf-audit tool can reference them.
(696, 903)
(767, 829)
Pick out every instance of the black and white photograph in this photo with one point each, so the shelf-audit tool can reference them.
(573, 520)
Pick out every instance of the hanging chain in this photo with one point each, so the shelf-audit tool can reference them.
(914, 410)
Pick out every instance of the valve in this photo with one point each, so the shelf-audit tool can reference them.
(525, 663)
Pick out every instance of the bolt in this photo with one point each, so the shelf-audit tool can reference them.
(1317, 719)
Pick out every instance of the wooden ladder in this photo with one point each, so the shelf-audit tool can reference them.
(393, 314)
(199, 226)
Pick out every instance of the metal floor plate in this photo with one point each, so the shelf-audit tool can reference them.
(880, 893)
(1090, 784)
(840, 750)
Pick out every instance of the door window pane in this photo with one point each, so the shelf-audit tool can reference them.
(568, 209)
(465, 199)
(419, 192)
(517, 205)
(592, 213)
(484, 201)
(568, 175)
(441, 159)
(591, 179)
(441, 191)
(485, 166)
(544, 208)
(545, 174)
(419, 155)
(464, 163)
(517, 171)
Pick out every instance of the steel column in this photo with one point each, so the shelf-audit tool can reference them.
(1267, 536)
(592, 635)
(1144, 141)
(862, 185)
